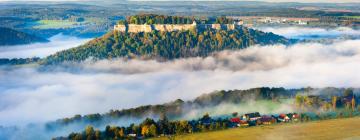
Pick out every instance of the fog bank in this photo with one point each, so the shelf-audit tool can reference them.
(57, 43)
(32, 95)
(313, 32)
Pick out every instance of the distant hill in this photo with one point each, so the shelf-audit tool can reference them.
(166, 45)
(12, 37)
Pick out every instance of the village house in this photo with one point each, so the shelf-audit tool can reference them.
(239, 123)
(295, 117)
(253, 119)
(267, 120)
(252, 116)
(283, 118)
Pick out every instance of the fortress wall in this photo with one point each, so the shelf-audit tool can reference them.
(160, 27)
(172, 27)
(120, 28)
(230, 26)
(216, 26)
(134, 28)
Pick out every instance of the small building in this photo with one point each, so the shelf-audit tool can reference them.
(243, 123)
(252, 116)
(283, 118)
(300, 22)
(235, 120)
(238, 122)
(267, 120)
(132, 135)
(295, 117)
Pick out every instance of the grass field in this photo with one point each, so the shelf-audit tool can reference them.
(335, 129)
(354, 17)
(59, 24)
(54, 24)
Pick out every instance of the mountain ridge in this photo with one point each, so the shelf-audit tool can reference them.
(166, 45)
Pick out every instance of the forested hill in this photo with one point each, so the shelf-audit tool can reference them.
(318, 98)
(179, 107)
(166, 45)
(13, 37)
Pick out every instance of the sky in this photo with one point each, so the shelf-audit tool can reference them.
(301, 1)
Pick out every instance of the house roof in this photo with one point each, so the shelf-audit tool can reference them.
(253, 115)
(235, 120)
(266, 118)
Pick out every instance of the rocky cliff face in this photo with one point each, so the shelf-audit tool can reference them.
(135, 28)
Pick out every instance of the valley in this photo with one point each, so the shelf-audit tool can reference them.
(99, 70)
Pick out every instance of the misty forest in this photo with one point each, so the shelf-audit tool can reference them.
(90, 70)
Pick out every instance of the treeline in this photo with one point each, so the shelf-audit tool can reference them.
(158, 19)
(166, 45)
(347, 100)
(178, 108)
(164, 19)
(18, 61)
(151, 128)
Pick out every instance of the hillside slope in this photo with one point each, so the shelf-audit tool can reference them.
(321, 130)
(13, 37)
(179, 108)
(166, 45)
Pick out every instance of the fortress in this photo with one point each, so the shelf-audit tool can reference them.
(135, 28)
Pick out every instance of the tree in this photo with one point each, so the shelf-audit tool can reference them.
(121, 132)
(150, 21)
(333, 102)
(348, 92)
(145, 130)
(299, 100)
(234, 114)
(89, 130)
(77, 137)
(353, 103)
(122, 22)
(90, 133)
(97, 134)
(153, 130)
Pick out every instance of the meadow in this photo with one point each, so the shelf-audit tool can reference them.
(346, 128)
(54, 24)
(352, 17)
(61, 24)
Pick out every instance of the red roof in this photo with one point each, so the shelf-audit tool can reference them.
(296, 116)
(243, 122)
(235, 120)
(282, 116)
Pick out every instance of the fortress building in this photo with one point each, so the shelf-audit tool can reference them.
(135, 28)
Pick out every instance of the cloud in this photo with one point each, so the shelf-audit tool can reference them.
(35, 94)
(57, 43)
(300, 1)
(98, 87)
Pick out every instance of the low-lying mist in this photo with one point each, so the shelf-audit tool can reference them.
(39, 94)
(57, 43)
(96, 87)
